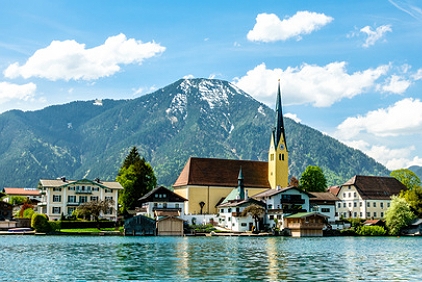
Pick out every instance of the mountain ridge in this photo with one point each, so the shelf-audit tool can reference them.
(190, 117)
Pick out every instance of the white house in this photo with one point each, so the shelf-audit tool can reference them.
(325, 204)
(60, 197)
(281, 202)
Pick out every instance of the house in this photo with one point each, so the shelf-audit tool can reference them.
(232, 208)
(305, 224)
(6, 211)
(324, 203)
(161, 201)
(283, 201)
(205, 182)
(166, 207)
(60, 197)
(32, 194)
(367, 196)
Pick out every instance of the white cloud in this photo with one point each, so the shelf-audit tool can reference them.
(9, 91)
(374, 35)
(189, 76)
(270, 28)
(293, 117)
(71, 60)
(395, 84)
(404, 117)
(417, 75)
(318, 85)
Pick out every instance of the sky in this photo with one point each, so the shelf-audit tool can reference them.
(350, 69)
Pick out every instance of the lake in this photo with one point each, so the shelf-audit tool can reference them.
(110, 258)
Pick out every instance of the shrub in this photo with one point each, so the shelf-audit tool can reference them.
(371, 230)
(27, 213)
(55, 225)
(40, 223)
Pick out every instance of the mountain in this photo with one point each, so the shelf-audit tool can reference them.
(191, 117)
(417, 170)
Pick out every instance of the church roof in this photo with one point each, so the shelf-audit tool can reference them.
(375, 187)
(222, 172)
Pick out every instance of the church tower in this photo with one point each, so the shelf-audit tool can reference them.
(278, 156)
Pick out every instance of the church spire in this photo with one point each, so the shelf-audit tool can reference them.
(279, 124)
(240, 185)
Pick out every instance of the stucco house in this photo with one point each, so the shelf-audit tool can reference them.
(367, 196)
(324, 203)
(33, 194)
(60, 197)
(281, 202)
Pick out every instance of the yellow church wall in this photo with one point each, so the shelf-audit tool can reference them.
(210, 195)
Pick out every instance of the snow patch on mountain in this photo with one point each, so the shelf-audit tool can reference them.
(177, 108)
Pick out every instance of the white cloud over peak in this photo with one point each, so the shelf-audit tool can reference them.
(309, 84)
(69, 59)
(374, 35)
(293, 117)
(9, 91)
(404, 117)
(395, 84)
(269, 27)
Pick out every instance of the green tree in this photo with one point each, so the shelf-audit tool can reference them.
(398, 215)
(255, 211)
(414, 198)
(407, 177)
(313, 180)
(137, 178)
(94, 208)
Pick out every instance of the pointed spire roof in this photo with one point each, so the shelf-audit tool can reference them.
(279, 124)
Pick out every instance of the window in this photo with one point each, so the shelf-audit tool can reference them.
(95, 189)
(375, 204)
(344, 195)
(325, 210)
(57, 198)
(350, 205)
(375, 214)
(56, 210)
(388, 204)
(109, 198)
(57, 189)
(350, 195)
(339, 205)
(83, 199)
(176, 206)
(222, 210)
(71, 199)
(70, 210)
(270, 207)
(354, 194)
(368, 204)
(108, 190)
(382, 214)
(272, 157)
(382, 205)
(155, 205)
(229, 210)
(355, 204)
(360, 204)
(355, 214)
(344, 205)
(271, 217)
(94, 199)
(368, 214)
(164, 205)
(71, 188)
(360, 214)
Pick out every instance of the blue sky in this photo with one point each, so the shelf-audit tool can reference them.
(351, 69)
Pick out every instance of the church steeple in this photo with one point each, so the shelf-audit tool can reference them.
(279, 124)
(278, 168)
(240, 186)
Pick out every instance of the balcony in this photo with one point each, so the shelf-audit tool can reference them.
(42, 204)
(292, 199)
(83, 191)
(73, 203)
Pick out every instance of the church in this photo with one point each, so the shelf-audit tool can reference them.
(206, 182)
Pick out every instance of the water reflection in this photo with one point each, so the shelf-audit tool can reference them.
(49, 258)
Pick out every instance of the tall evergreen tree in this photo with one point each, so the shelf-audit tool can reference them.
(137, 178)
(313, 179)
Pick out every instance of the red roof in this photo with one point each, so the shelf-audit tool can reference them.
(22, 191)
(222, 172)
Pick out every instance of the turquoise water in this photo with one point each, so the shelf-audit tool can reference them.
(102, 258)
